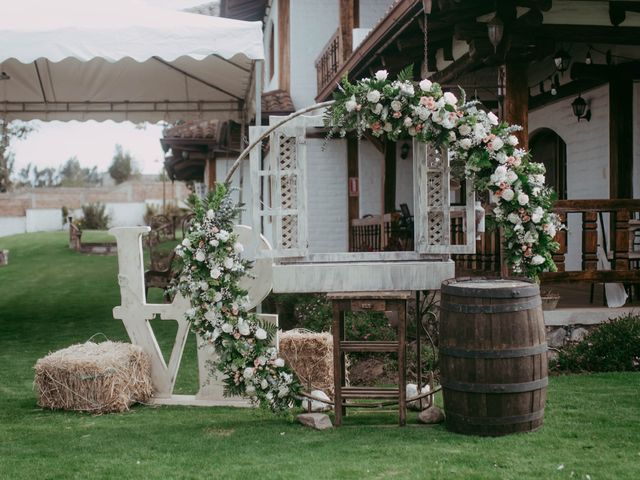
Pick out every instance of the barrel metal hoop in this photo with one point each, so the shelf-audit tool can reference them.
(459, 288)
(511, 307)
(495, 387)
(511, 353)
(515, 419)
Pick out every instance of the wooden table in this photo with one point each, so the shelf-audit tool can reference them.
(394, 306)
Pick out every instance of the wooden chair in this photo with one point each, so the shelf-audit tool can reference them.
(161, 269)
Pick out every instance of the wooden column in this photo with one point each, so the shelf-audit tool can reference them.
(621, 136)
(516, 99)
(211, 172)
(353, 199)
(348, 21)
(284, 37)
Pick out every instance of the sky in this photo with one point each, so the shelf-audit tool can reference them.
(53, 143)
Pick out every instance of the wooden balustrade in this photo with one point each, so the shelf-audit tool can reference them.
(366, 237)
(330, 60)
(621, 236)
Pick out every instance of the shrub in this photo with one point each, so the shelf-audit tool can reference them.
(94, 217)
(612, 346)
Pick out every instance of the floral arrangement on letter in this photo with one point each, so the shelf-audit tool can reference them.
(476, 139)
(211, 270)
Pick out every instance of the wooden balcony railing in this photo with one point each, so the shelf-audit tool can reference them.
(622, 231)
(330, 60)
(365, 234)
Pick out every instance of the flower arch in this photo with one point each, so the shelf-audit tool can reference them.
(479, 142)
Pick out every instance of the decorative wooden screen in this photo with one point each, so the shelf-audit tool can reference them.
(439, 226)
(278, 185)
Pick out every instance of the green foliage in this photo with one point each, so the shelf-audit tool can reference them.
(71, 174)
(121, 167)
(611, 347)
(94, 217)
(149, 212)
(9, 131)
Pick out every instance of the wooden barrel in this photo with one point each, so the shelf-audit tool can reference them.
(493, 356)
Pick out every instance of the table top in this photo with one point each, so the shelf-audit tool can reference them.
(385, 295)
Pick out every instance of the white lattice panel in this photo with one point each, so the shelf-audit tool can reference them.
(433, 220)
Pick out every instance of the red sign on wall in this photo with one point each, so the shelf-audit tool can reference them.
(354, 188)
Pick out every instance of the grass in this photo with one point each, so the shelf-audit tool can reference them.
(51, 297)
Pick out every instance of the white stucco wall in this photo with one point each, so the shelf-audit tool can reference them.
(272, 19)
(587, 155)
(43, 220)
(371, 11)
(312, 24)
(327, 196)
(370, 162)
(12, 225)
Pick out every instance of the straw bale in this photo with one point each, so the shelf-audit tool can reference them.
(94, 377)
(310, 356)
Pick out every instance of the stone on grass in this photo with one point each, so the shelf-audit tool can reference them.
(557, 338)
(319, 421)
(578, 334)
(431, 415)
(412, 391)
(317, 405)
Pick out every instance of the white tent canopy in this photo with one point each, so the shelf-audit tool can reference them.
(82, 60)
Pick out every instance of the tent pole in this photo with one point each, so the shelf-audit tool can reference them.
(258, 95)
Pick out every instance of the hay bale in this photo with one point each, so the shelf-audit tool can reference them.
(310, 356)
(94, 377)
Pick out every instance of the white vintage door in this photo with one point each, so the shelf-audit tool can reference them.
(439, 227)
(278, 185)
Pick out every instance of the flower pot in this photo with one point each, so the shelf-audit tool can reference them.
(550, 300)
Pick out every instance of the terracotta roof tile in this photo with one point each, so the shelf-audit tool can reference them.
(204, 130)
(277, 102)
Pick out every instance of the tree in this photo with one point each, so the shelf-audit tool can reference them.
(73, 175)
(8, 132)
(122, 165)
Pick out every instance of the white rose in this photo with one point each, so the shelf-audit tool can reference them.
(464, 129)
(407, 89)
(204, 285)
(465, 143)
(396, 105)
(250, 389)
(279, 362)
(412, 131)
(238, 247)
(407, 121)
(200, 256)
(373, 96)
(452, 136)
(223, 235)
(523, 198)
(511, 176)
(450, 98)
(507, 194)
(215, 273)
(387, 127)
(537, 214)
(210, 214)
(381, 75)
(261, 334)
(425, 85)
(210, 315)
(550, 229)
(227, 328)
(537, 260)
(479, 131)
(264, 384)
(530, 237)
(514, 217)
(248, 372)
(351, 104)
(243, 328)
(214, 243)
(497, 144)
(217, 296)
(512, 140)
(377, 109)
(186, 243)
(228, 263)
(492, 118)
(501, 157)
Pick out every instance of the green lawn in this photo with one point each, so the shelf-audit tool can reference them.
(51, 297)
